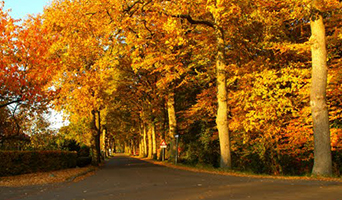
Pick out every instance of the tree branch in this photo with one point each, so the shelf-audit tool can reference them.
(9, 103)
(192, 21)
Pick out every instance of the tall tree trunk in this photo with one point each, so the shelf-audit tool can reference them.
(94, 154)
(98, 136)
(142, 151)
(95, 141)
(154, 140)
(141, 143)
(105, 142)
(113, 146)
(145, 140)
(133, 147)
(172, 123)
(222, 110)
(150, 148)
(140, 147)
(126, 147)
(320, 115)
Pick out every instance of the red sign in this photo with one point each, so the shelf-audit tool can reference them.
(163, 144)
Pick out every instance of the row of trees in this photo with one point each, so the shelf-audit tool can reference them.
(231, 77)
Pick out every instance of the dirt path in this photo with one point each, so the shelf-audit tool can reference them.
(126, 178)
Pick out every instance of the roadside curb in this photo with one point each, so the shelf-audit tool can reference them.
(72, 178)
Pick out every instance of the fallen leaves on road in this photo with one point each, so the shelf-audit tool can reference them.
(74, 174)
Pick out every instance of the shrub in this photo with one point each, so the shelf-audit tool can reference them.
(84, 151)
(337, 162)
(83, 161)
(71, 145)
(22, 162)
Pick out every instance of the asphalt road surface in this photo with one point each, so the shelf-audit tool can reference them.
(125, 178)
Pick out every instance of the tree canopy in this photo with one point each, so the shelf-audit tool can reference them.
(232, 78)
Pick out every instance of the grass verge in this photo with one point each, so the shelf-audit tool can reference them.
(212, 170)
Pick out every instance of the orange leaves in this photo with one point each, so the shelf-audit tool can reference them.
(133, 53)
(25, 67)
(336, 138)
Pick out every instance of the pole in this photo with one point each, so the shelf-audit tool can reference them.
(176, 157)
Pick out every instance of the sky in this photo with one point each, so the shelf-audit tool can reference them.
(20, 8)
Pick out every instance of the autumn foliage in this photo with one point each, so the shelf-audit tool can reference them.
(232, 78)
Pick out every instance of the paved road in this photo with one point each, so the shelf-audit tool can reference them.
(125, 178)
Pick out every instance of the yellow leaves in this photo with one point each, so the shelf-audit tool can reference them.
(271, 99)
(172, 42)
(223, 11)
(170, 26)
(283, 47)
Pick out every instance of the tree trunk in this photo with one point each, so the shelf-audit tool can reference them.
(105, 142)
(150, 148)
(141, 144)
(133, 147)
(140, 148)
(142, 152)
(126, 147)
(95, 141)
(154, 140)
(113, 146)
(172, 123)
(144, 138)
(94, 154)
(320, 115)
(98, 137)
(222, 110)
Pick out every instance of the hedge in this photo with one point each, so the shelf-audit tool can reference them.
(83, 161)
(23, 162)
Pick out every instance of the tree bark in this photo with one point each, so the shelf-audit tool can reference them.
(95, 143)
(98, 137)
(133, 147)
(113, 146)
(150, 148)
(144, 138)
(141, 143)
(154, 140)
(320, 115)
(222, 110)
(140, 147)
(172, 123)
(105, 143)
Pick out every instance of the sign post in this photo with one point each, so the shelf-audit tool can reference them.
(176, 157)
(163, 146)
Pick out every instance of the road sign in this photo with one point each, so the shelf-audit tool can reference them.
(163, 144)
